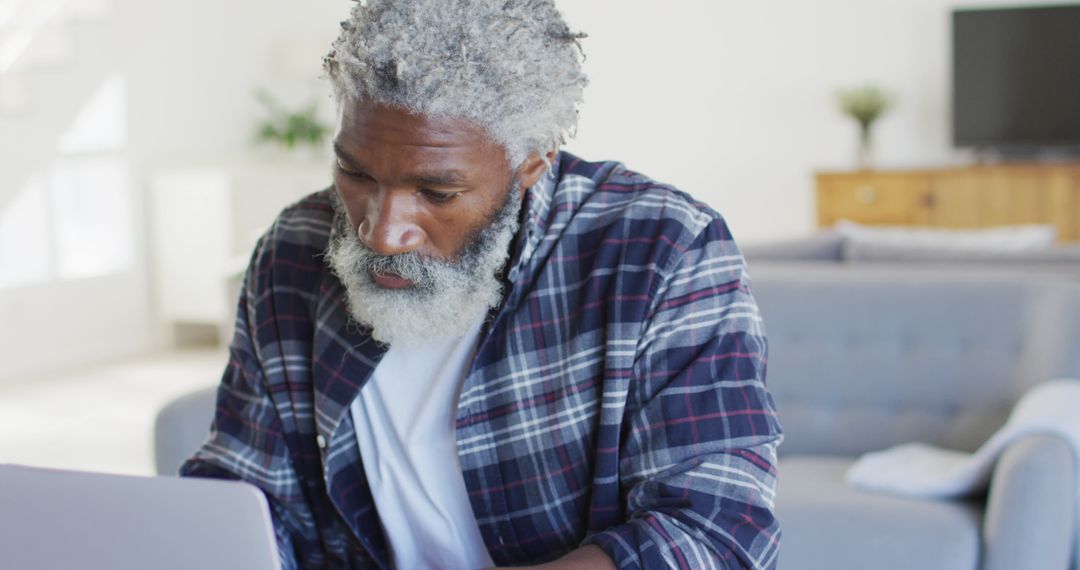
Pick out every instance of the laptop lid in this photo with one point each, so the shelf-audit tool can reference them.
(53, 519)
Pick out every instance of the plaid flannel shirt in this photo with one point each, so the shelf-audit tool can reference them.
(617, 397)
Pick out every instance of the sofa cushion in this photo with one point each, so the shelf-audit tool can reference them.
(827, 524)
(994, 239)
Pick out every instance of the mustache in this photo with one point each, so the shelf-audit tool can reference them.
(424, 271)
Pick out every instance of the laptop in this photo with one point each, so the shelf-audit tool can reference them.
(52, 519)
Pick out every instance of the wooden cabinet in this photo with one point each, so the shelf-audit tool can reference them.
(972, 197)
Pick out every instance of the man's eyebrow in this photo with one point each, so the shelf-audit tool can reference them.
(440, 178)
(341, 154)
(446, 178)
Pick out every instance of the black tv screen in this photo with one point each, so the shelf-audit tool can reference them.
(1016, 77)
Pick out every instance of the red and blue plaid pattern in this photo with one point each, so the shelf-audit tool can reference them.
(617, 397)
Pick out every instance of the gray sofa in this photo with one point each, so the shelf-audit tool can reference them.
(865, 357)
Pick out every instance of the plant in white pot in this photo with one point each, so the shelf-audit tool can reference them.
(865, 105)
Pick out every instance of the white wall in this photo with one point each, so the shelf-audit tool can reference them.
(64, 324)
(194, 67)
(734, 102)
(731, 101)
(191, 68)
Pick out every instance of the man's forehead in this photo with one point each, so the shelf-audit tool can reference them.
(437, 149)
(367, 120)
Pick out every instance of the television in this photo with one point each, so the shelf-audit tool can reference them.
(1016, 79)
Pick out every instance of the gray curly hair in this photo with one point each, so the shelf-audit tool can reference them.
(513, 67)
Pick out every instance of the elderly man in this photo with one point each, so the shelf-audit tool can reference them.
(475, 350)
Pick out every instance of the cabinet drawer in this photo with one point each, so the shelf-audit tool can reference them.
(880, 199)
(963, 197)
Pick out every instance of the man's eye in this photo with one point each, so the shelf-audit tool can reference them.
(439, 197)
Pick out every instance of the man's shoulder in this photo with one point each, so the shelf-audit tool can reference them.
(291, 251)
(304, 223)
(612, 195)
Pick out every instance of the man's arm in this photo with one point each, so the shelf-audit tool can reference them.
(246, 440)
(698, 457)
(585, 558)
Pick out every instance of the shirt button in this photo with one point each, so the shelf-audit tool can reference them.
(321, 441)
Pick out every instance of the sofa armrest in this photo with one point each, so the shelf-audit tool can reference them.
(1031, 510)
(180, 427)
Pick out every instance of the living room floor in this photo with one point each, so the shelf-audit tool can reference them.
(100, 418)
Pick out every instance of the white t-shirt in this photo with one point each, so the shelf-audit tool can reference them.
(404, 419)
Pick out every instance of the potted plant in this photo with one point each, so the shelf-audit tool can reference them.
(865, 105)
(291, 129)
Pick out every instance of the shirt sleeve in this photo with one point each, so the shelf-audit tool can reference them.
(698, 459)
(246, 441)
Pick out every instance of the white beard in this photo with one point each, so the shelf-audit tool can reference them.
(447, 297)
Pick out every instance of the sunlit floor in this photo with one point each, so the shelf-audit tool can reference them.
(99, 419)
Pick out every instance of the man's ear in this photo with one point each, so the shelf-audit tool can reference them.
(534, 167)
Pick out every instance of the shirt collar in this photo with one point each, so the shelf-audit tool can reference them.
(538, 203)
(539, 198)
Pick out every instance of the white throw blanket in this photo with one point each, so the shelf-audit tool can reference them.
(921, 470)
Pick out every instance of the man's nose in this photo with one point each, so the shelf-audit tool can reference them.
(389, 226)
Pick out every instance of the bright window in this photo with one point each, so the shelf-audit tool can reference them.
(101, 125)
(25, 250)
(92, 216)
(75, 219)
